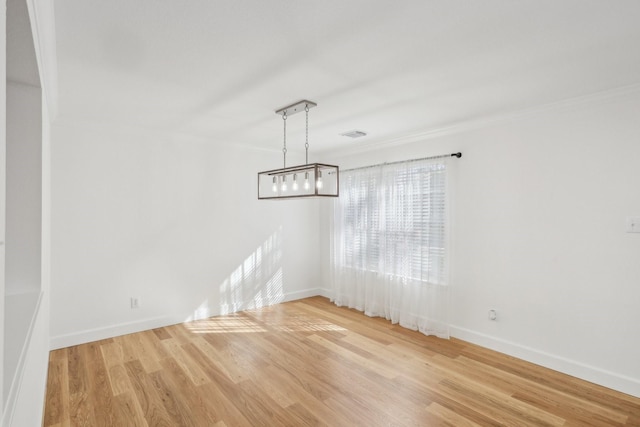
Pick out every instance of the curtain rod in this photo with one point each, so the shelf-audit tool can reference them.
(442, 156)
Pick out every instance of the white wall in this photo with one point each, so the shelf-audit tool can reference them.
(539, 235)
(173, 221)
(3, 146)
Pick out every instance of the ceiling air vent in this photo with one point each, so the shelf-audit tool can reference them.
(354, 134)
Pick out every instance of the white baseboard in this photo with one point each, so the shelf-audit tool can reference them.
(307, 293)
(574, 368)
(95, 334)
(324, 292)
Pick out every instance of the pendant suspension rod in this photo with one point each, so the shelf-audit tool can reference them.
(441, 156)
(284, 147)
(306, 144)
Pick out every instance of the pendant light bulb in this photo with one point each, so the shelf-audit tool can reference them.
(284, 183)
(306, 180)
(319, 180)
(275, 185)
(295, 182)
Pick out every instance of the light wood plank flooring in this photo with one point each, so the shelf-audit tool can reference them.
(311, 363)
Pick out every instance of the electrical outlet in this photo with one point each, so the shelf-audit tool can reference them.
(135, 302)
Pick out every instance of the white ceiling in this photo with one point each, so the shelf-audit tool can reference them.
(219, 69)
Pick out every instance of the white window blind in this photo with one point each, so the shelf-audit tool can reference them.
(393, 220)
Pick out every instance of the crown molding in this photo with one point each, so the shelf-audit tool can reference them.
(93, 124)
(487, 121)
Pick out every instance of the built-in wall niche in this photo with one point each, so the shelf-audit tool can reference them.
(23, 221)
(23, 197)
(23, 189)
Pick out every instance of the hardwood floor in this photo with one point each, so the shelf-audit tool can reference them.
(309, 362)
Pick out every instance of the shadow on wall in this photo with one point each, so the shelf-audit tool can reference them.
(255, 283)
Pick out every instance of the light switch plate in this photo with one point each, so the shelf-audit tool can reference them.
(633, 224)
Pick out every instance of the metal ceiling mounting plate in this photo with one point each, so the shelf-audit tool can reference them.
(296, 108)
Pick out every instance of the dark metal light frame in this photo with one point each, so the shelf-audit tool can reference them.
(318, 179)
(329, 176)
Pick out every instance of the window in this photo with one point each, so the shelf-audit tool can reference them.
(389, 252)
(392, 220)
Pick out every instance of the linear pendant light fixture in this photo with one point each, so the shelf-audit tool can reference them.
(308, 180)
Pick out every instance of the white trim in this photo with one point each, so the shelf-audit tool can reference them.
(97, 124)
(567, 366)
(486, 121)
(95, 334)
(16, 382)
(306, 293)
(325, 292)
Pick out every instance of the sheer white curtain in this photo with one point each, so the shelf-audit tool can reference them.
(389, 244)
